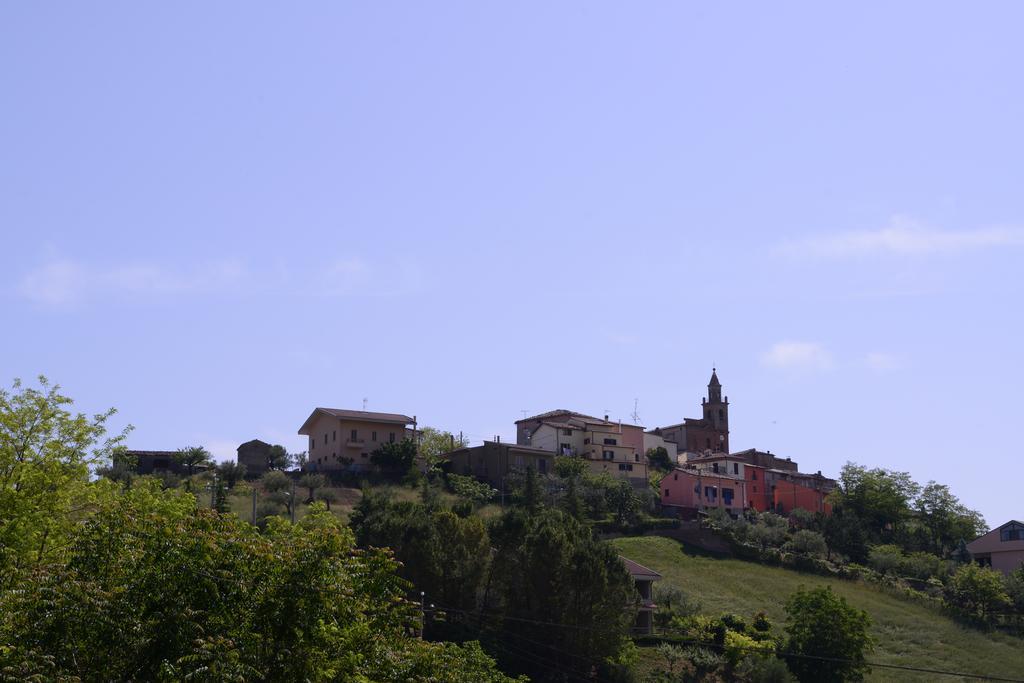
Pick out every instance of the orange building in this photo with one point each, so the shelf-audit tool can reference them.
(789, 495)
(693, 490)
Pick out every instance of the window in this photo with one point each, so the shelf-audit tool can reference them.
(666, 493)
(735, 468)
(391, 437)
(711, 492)
(727, 496)
(355, 435)
(636, 457)
(629, 467)
(675, 477)
(714, 467)
(567, 432)
(622, 467)
(586, 441)
(1012, 533)
(608, 455)
(708, 442)
(312, 443)
(566, 449)
(753, 474)
(542, 466)
(611, 442)
(721, 414)
(325, 437)
(373, 436)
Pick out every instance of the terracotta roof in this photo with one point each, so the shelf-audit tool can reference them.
(392, 418)
(637, 570)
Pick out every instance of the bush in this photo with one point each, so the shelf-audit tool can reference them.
(808, 542)
(738, 646)
(921, 566)
(822, 624)
(764, 669)
(976, 592)
(884, 559)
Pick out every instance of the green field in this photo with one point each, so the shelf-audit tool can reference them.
(908, 634)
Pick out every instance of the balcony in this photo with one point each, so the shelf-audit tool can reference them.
(355, 443)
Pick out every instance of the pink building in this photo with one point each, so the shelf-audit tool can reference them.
(1001, 549)
(696, 490)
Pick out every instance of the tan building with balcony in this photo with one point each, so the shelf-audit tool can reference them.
(344, 439)
(611, 447)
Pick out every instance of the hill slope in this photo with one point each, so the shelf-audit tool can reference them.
(908, 634)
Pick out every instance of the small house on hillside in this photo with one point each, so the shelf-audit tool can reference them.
(255, 455)
(643, 579)
(1002, 548)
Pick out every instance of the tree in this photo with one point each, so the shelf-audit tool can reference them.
(659, 459)
(187, 594)
(192, 457)
(278, 458)
(46, 453)
(435, 443)
(312, 482)
(569, 466)
(327, 496)
(845, 534)
(880, 498)
(946, 518)
(622, 500)
(885, 559)
(831, 632)
(976, 592)
(468, 488)
(231, 472)
(1015, 588)
(395, 457)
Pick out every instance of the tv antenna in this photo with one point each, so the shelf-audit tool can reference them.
(636, 416)
(524, 412)
(364, 405)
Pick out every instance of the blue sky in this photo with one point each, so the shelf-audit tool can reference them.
(218, 216)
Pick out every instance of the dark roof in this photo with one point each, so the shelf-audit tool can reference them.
(559, 412)
(254, 441)
(637, 570)
(714, 379)
(391, 418)
(151, 454)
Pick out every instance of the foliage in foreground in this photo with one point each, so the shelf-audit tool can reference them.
(828, 638)
(188, 593)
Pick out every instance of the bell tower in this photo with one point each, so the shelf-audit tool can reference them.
(716, 413)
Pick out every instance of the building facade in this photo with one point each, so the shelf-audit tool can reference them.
(706, 434)
(255, 455)
(1001, 549)
(494, 461)
(344, 439)
(691, 490)
(607, 446)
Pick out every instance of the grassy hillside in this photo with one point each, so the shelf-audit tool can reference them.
(907, 633)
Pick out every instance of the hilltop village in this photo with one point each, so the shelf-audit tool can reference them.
(704, 474)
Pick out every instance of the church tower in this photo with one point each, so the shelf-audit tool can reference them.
(716, 413)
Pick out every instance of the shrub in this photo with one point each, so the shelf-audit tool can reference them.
(976, 592)
(739, 645)
(808, 542)
(884, 559)
(919, 565)
(822, 624)
(764, 669)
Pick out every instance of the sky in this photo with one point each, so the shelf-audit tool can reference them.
(218, 216)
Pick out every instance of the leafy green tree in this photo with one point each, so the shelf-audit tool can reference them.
(528, 492)
(622, 500)
(187, 594)
(123, 468)
(395, 458)
(435, 443)
(192, 457)
(46, 453)
(976, 592)
(659, 459)
(1015, 588)
(885, 559)
(946, 518)
(312, 483)
(572, 502)
(547, 567)
(879, 498)
(468, 488)
(769, 531)
(833, 634)
(220, 497)
(278, 458)
(327, 496)
(570, 466)
(231, 472)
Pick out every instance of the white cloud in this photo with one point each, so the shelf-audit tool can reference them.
(905, 235)
(793, 355)
(64, 281)
(881, 361)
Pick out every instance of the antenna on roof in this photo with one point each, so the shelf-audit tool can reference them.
(636, 417)
(364, 405)
(524, 412)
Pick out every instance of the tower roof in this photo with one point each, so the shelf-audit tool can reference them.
(714, 379)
